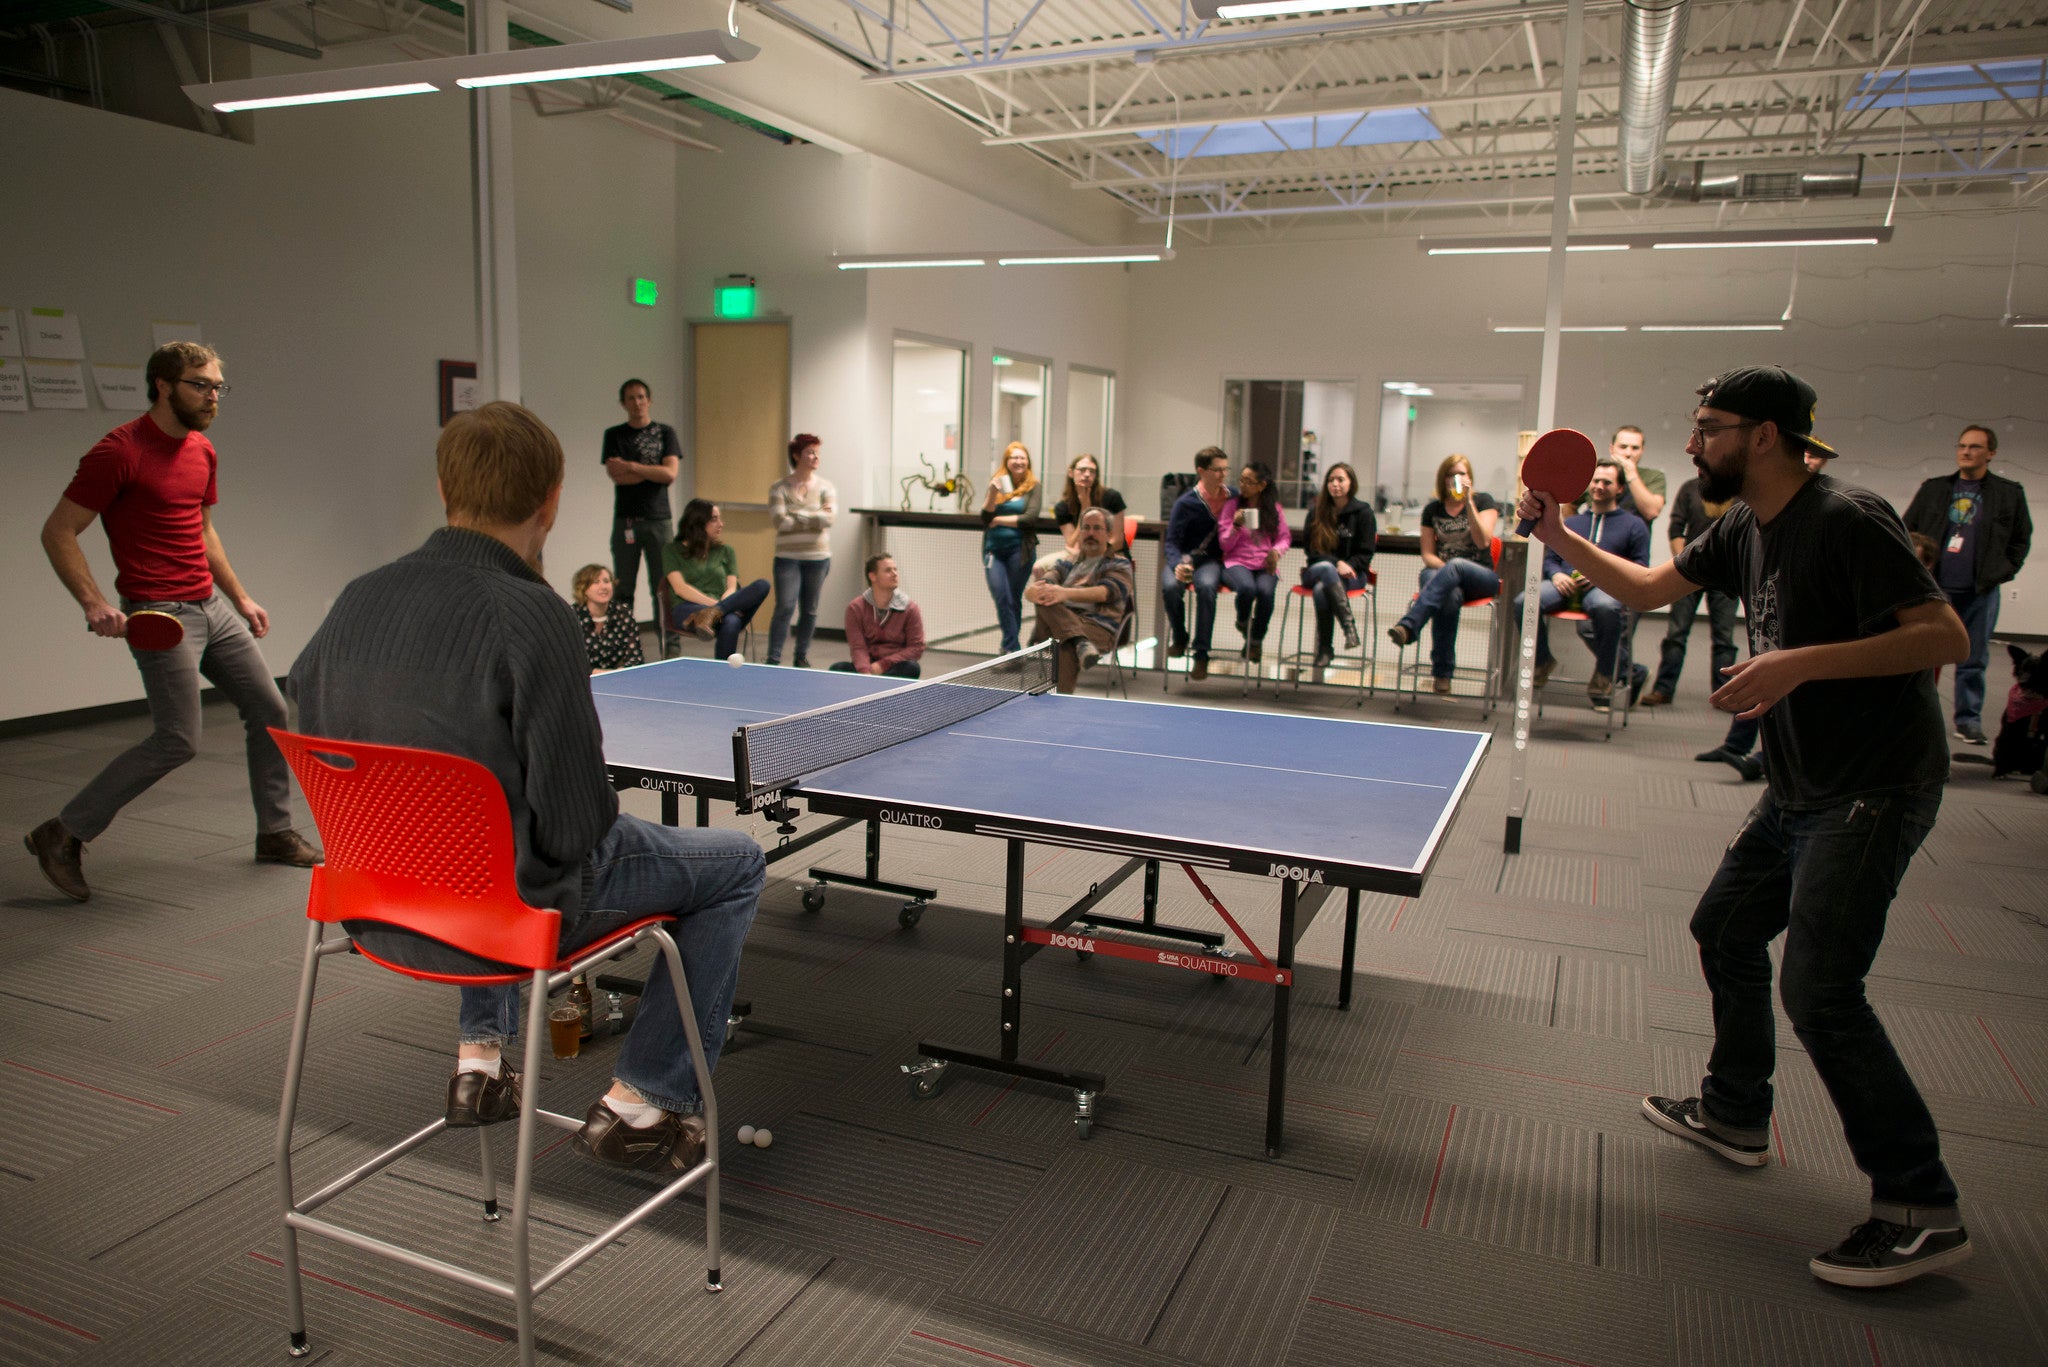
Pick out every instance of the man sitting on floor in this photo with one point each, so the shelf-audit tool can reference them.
(462, 647)
(1083, 599)
(1613, 529)
(884, 629)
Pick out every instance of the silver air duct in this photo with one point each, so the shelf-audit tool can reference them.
(1763, 180)
(1653, 40)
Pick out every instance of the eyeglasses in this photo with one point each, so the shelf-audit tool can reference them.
(1703, 434)
(218, 391)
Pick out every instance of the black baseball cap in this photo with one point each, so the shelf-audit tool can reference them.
(1769, 393)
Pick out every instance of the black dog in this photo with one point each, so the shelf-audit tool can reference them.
(2022, 745)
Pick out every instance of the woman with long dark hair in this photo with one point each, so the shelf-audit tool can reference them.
(1340, 538)
(1252, 532)
(1085, 490)
(703, 576)
(802, 505)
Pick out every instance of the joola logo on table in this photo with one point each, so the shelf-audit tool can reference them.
(894, 818)
(1299, 872)
(1080, 942)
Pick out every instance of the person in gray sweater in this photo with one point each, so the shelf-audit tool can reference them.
(462, 647)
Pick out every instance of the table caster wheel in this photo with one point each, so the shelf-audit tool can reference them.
(927, 1076)
(1082, 956)
(814, 897)
(910, 914)
(1082, 1127)
(1084, 1114)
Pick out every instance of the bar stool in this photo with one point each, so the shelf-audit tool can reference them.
(1408, 677)
(1369, 654)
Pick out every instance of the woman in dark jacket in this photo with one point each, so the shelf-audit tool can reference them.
(1339, 538)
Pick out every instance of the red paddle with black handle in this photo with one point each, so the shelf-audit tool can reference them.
(1560, 463)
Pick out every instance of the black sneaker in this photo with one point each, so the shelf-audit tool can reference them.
(1969, 733)
(1751, 767)
(1720, 754)
(1682, 1118)
(1880, 1253)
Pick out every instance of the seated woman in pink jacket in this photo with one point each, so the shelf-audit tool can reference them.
(884, 629)
(1253, 534)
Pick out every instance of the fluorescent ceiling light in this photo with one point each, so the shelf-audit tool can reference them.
(557, 62)
(1537, 243)
(1260, 9)
(1303, 133)
(374, 92)
(1713, 327)
(2021, 320)
(906, 263)
(1774, 240)
(1088, 256)
(1603, 327)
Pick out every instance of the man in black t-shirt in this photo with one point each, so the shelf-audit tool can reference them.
(641, 459)
(1846, 628)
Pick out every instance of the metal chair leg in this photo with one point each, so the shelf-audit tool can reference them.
(522, 1175)
(490, 1174)
(294, 1071)
(705, 1095)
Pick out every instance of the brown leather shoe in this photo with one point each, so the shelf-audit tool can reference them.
(1440, 684)
(1656, 697)
(1199, 672)
(480, 1099)
(671, 1143)
(59, 854)
(286, 847)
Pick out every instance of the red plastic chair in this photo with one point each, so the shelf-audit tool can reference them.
(423, 841)
(1302, 661)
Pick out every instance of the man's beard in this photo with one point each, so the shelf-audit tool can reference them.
(1720, 486)
(194, 419)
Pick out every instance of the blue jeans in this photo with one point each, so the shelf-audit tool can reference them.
(1327, 586)
(1824, 880)
(1979, 612)
(1007, 573)
(1604, 614)
(1254, 590)
(797, 586)
(734, 610)
(1444, 593)
(712, 880)
(1208, 574)
(1721, 626)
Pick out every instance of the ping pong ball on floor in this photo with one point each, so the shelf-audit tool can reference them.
(735, 659)
(763, 1138)
(745, 1135)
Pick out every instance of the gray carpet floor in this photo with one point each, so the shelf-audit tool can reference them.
(1467, 1178)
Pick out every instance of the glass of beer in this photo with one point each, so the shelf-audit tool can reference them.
(565, 1030)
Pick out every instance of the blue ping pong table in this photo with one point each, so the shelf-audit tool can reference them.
(1314, 804)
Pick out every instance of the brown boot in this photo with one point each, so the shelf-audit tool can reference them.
(673, 1142)
(58, 852)
(286, 847)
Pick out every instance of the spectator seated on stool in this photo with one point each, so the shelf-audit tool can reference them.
(884, 629)
(1614, 530)
(1083, 599)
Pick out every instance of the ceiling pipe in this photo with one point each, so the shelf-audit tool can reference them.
(1653, 41)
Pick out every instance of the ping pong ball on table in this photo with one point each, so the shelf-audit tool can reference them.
(745, 1134)
(763, 1138)
(735, 659)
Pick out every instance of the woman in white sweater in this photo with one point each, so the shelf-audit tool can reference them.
(802, 505)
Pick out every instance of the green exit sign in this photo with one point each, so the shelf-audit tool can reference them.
(734, 297)
(645, 292)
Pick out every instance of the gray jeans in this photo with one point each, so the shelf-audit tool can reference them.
(218, 645)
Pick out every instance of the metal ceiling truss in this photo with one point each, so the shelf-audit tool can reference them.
(1097, 88)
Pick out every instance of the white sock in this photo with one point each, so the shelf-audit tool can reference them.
(638, 1114)
(489, 1067)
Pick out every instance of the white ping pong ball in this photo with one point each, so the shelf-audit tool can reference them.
(735, 659)
(763, 1138)
(746, 1134)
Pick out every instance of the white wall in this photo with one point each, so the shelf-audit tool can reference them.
(331, 264)
(1331, 412)
(1901, 341)
(1484, 430)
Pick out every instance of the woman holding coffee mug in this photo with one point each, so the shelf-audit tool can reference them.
(1253, 535)
(1457, 566)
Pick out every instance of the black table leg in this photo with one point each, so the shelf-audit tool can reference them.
(1350, 949)
(671, 809)
(1276, 1085)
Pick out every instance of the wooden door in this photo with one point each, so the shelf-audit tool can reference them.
(740, 429)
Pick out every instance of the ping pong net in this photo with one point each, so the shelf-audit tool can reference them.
(769, 757)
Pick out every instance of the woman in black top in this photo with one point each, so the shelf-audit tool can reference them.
(1457, 566)
(611, 639)
(1339, 539)
(1084, 491)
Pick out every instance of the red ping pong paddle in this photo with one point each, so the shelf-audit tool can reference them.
(1560, 463)
(150, 630)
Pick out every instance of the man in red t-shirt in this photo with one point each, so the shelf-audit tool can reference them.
(151, 482)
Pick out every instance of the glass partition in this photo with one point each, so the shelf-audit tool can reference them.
(1019, 408)
(1091, 416)
(928, 412)
(1299, 427)
(1423, 421)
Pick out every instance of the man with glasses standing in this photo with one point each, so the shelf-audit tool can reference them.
(1846, 629)
(1981, 530)
(641, 458)
(151, 482)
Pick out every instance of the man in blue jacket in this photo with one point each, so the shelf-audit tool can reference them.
(1191, 558)
(1617, 531)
